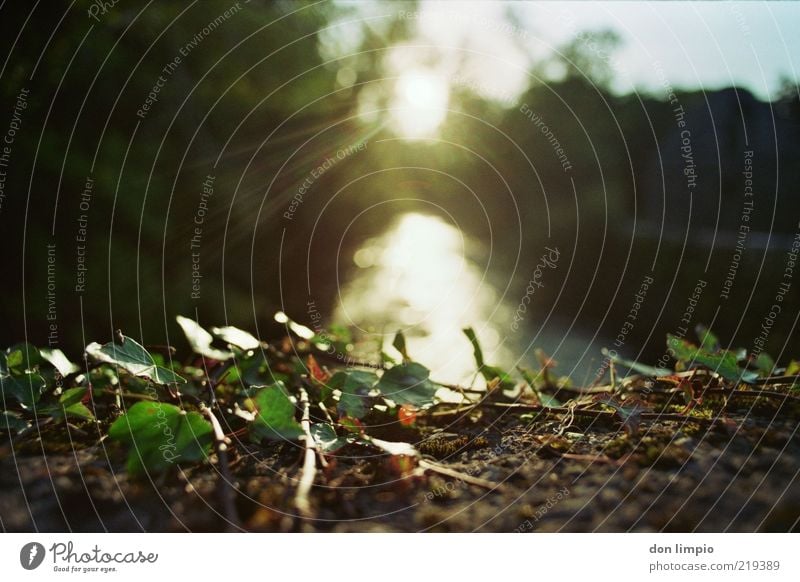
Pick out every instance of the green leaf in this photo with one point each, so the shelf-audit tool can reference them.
(765, 364)
(132, 357)
(476, 346)
(26, 389)
(12, 421)
(275, 415)
(708, 341)
(399, 344)
(236, 337)
(71, 402)
(408, 383)
(793, 369)
(325, 437)
(355, 387)
(723, 363)
(201, 340)
(161, 435)
(637, 367)
(59, 361)
(22, 358)
(487, 371)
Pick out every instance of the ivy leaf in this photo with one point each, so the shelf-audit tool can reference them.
(724, 363)
(132, 357)
(325, 437)
(160, 435)
(275, 415)
(26, 389)
(637, 367)
(22, 358)
(59, 361)
(765, 364)
(408, 383)
(71, 402)
(201, 340)
(629, 411)
(11, 421)
(355, 387)
(236, 337)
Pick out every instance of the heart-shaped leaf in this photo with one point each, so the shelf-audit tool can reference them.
(408, 383)
(11, 421)
(24, 388)
(161, 435)
(275, 415)
(355, 386)
(325, 437)
(22, 358)
(132, 357)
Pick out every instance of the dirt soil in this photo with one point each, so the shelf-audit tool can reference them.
(740, 475)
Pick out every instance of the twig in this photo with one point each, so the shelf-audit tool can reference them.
(752, 394)
(309, 470)
(477, 481)
(602, 414)
(221, 443)
(131, 395)
(345, 361)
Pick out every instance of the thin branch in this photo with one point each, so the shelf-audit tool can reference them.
(309, 470)
(344, 360)
(606, 415)
(226, 492)
(131, 395)
(477, 481)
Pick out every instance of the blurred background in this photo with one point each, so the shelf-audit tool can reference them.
(566, 176)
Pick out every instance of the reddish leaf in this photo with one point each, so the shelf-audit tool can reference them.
(316, 371)
(407, 414)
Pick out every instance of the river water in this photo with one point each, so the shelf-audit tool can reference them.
(429, 279)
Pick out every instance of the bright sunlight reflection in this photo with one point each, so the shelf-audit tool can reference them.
(420, 103)
(417, 277)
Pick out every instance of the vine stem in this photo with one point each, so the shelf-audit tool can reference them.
(221, 443)
(309, 470)
(427, 465)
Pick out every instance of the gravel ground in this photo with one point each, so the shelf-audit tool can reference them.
(741, 477)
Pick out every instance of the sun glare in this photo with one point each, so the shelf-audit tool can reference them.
(417, 277)
(420, 104)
